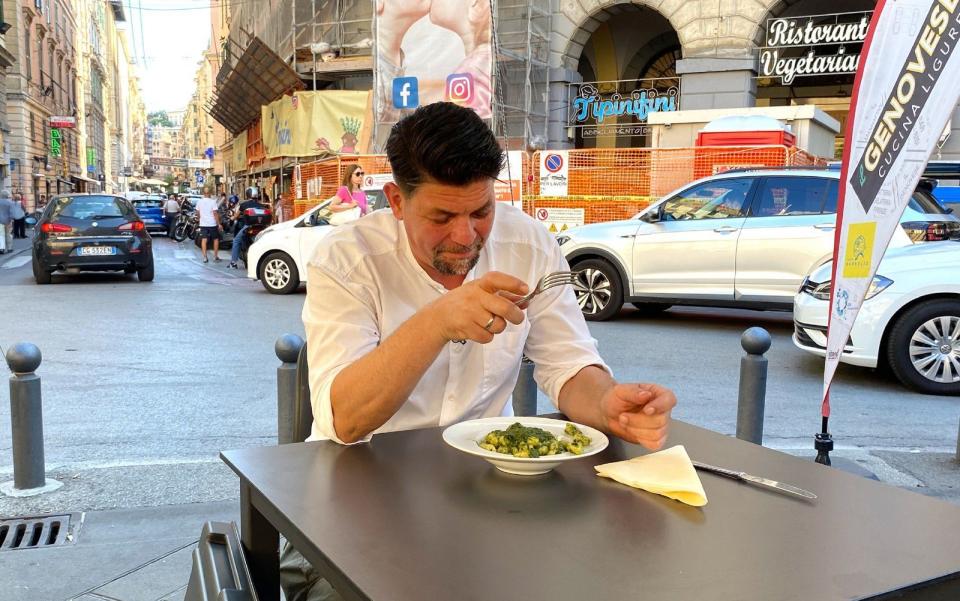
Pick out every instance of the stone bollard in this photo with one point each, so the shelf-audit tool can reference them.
(753, 385)
(287, 348)
(26, 421)
(525, 391)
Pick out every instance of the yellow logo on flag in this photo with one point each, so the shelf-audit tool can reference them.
(859, 255)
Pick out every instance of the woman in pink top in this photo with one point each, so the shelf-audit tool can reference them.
(350, 196)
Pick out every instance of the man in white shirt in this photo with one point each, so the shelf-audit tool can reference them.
(172, 209)
(390, 294)
(210, 227)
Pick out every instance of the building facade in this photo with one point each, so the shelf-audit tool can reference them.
(42, 84)
(729, 55)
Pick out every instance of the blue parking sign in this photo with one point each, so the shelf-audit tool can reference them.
(406, 93)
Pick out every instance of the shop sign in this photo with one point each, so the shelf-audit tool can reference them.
(183, 163)
(63, 122)
(620, 108)
(55, 139)
(813, 45)
(554, 170)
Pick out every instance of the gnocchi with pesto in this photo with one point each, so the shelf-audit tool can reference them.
(523, 441)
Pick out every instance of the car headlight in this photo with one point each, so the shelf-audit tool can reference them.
(561, 240)
(821, 291)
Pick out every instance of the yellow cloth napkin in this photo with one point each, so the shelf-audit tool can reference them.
(669, 473)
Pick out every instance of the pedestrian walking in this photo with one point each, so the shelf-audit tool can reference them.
(6, 222)
(19, 218)
(210, 227)
(171, 209)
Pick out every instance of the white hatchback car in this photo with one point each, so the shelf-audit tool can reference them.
(279, 254)
(910, 320)
(738, 239)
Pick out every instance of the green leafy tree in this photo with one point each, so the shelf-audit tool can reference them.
(159, 118)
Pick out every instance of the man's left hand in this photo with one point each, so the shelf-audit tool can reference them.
(639, 413)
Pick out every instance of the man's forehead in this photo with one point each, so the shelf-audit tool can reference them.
(433, 196)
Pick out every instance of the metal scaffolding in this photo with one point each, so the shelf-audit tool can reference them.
(329, 44)
(522, 31)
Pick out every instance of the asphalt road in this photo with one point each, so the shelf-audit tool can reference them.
(145, 383)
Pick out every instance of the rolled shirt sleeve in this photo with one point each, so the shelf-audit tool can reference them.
(339, 332)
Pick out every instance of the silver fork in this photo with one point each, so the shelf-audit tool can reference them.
(551, 280)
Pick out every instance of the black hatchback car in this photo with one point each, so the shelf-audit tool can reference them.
(91, 232)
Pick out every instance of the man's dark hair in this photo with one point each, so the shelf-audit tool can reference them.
(445, 143)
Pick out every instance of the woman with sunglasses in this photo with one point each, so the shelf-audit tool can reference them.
(350, 196)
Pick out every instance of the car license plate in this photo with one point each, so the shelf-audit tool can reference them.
(97, 250)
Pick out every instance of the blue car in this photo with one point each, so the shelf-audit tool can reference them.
(150, 210)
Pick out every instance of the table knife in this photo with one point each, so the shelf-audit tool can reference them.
(765, 482)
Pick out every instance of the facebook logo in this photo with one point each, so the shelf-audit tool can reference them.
(406, 94)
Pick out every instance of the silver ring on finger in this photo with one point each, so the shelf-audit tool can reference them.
(490, 323)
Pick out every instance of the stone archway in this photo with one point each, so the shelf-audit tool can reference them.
(579, 19)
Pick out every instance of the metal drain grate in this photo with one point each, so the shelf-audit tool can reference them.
(37, 532)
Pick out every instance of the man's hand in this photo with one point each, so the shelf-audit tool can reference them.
(463, 313)
(639, 413)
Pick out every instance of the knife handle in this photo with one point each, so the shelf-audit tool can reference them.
(719, 470)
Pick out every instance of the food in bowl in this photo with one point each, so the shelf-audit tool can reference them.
(526, 441)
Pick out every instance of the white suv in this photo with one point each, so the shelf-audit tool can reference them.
(741, 239)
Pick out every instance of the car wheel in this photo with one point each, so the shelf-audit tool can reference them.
(598, 289)
(651, 308)
(145, 273)
(923, 348)
(41, 275)
(279, 274)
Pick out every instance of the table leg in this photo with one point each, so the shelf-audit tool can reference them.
(261, 543)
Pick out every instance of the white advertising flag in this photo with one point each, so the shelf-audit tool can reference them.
(905, 91)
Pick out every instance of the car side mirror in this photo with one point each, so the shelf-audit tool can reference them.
(652, 216)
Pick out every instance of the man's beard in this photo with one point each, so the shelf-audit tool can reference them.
(457, 266)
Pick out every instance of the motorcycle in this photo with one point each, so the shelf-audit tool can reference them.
(256, 219)
(186, 226)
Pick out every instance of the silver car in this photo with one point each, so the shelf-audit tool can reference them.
(741, 239)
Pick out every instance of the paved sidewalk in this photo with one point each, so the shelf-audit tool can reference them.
(20, 246)
(119, 555)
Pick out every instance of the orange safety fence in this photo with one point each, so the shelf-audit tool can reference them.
(319, 180)
(616, 183)
(602, 184)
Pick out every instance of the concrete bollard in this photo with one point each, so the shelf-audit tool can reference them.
(525, 391)
(26, 421)
(287, 348)
(753, 385)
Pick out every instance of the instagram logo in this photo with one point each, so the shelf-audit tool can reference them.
(459, 88)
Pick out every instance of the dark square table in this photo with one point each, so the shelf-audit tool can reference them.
(407, 518)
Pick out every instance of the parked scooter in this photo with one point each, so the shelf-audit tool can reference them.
(256, 219)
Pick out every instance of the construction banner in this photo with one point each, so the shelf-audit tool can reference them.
(316, 123)
(905, 90)
(238, 153)
(432, 51)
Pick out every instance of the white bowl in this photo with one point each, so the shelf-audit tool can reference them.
(465, 437)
